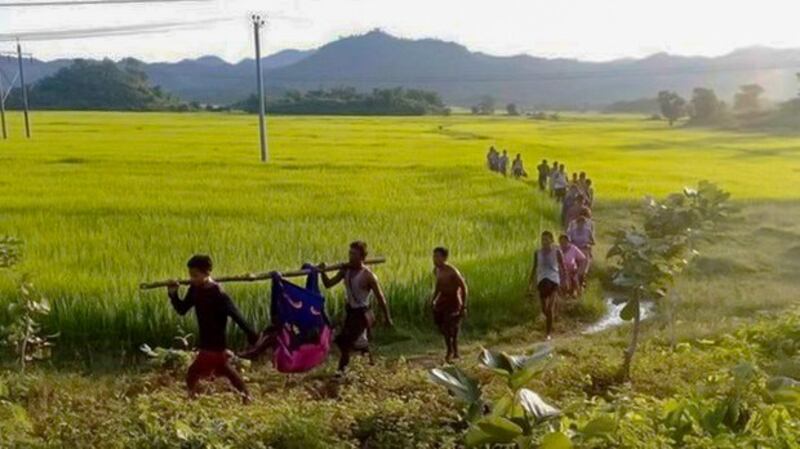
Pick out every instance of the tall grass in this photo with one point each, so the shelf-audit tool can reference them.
(106, 200)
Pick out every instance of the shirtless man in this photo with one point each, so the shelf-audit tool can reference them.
(360, 285)
(449, 301)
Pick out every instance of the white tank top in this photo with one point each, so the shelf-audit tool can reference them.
(547, 266)
(357, 296)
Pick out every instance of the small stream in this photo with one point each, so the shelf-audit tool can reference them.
(611, 319)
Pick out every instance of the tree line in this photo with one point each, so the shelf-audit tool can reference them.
(349, 101)
(748, 109)
(124, 86)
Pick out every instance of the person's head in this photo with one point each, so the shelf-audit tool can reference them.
(563, 241)
(440, 255)
(547, 239)
(358, 252)
(199, 266)
(582, 176)
(555, 164)
(574, 176)
(519, 156)
(581, 220)
(588, 182)
(505, 152)
(562, 167)
(544, 161)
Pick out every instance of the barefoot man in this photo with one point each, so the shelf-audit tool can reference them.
(449, 301)
(360, 285)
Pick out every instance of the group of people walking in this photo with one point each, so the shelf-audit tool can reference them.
(561, 263)
(559, 270)
(213, 307)
(498, 162)
(560, 267)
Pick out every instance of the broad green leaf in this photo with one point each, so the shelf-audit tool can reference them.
(527, 367)
(502, 406)
(522, 361)
(475, 437)
(501, 430)
(555, 440)
(535, 406)
(458, 383)
(496, 361)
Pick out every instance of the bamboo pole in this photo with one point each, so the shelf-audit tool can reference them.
(253, 277)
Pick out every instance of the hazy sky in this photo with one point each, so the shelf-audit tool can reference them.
(586, 29)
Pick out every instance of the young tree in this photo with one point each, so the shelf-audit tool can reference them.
(672, 106)
(646, 262)
(24, 334)
(747, 99)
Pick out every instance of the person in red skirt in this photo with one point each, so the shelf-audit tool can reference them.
(213, 307)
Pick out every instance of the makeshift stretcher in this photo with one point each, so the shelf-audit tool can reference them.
(300, 333)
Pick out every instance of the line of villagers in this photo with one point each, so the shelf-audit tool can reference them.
(498, 162)
(559, 270)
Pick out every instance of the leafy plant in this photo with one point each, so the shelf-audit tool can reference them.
(24, 334)
(515, 417)
(646, 262)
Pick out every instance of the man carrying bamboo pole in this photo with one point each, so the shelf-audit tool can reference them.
(212, 307)
(360, 285)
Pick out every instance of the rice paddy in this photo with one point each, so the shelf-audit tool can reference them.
(104, 201)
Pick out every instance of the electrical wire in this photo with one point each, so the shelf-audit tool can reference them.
(34, 4)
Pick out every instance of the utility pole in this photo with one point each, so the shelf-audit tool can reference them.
(258, 22)
(24, 91)
(3, 110)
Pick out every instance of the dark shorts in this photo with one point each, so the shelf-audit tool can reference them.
(208, 363)
(356, 321)
(447, 316)
(547, 288)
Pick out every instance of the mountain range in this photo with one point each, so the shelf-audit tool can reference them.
(461, 76)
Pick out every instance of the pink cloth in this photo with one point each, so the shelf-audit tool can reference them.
(573, 258)
(304, 358)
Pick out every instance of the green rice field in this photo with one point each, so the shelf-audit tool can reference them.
(104, 201)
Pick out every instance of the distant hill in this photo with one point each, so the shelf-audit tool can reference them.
(462, 77)
(97, 85)
(212, 80)
(208, 79)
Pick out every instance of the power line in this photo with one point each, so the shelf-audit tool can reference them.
(124, 30)
(88, 2)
